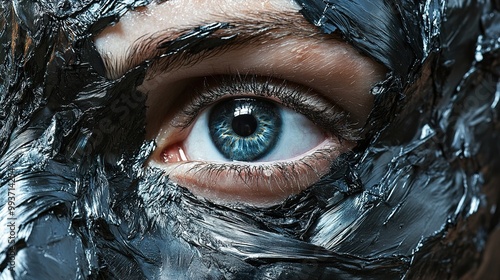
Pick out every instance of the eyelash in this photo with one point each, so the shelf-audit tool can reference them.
(280, 180)
(329, 117)
(212, 170)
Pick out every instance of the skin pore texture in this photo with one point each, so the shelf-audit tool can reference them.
(291, 51)
(390, 171)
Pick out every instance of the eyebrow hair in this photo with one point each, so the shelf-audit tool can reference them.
(170, 49)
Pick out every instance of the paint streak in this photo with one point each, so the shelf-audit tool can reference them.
(418, 198)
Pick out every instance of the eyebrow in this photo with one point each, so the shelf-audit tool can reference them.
(171, 49)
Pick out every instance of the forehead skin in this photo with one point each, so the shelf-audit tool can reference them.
(172, 14)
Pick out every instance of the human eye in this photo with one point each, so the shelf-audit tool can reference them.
(249, 120)
(255, 124)
(251, 139)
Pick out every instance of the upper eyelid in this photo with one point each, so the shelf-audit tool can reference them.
(333, 68)
(329, 117)
(336, 59)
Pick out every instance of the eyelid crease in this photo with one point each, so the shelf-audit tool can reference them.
(236, 32)
(328, 116)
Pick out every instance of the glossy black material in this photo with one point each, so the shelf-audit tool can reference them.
(417, 199)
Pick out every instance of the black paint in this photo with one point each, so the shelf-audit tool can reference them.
(418, 198)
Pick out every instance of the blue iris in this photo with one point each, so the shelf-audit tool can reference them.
(245, 129)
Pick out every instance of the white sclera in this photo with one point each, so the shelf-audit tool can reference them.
(298, 136)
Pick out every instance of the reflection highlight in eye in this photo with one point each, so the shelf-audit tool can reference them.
(242, 129)
(239, 140)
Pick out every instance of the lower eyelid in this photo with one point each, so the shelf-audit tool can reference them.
(259, 184)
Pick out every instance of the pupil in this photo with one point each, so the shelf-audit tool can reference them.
(244, 125)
